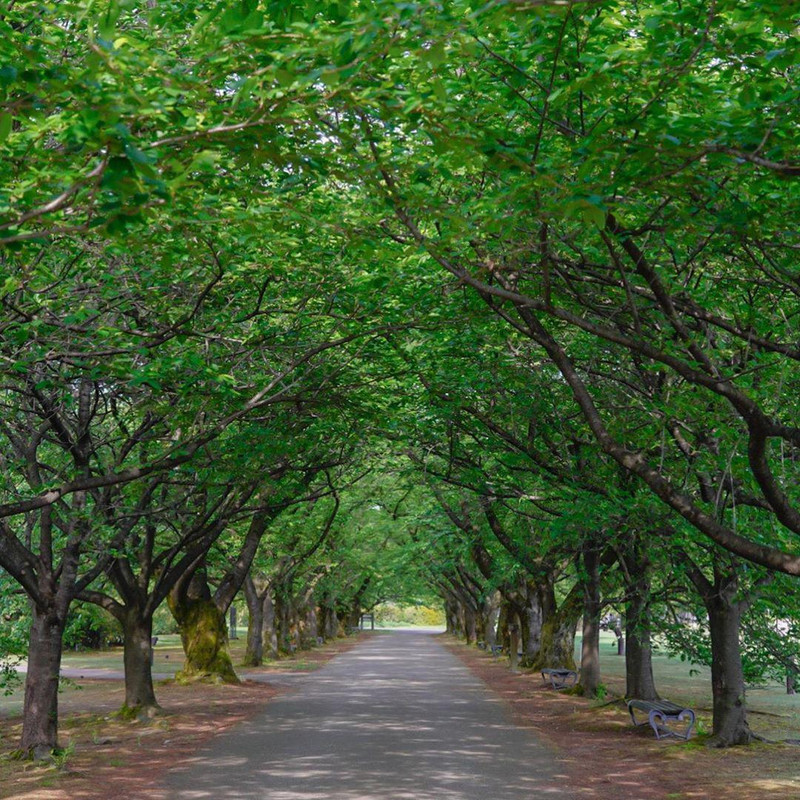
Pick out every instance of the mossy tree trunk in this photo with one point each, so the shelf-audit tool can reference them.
(533, 603)
(467, 598)
(558, 633)
(204, 634)
(306, 615)
(201, 616)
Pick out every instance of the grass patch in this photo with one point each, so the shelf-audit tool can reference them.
(771, 712)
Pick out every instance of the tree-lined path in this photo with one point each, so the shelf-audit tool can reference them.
(397, 717)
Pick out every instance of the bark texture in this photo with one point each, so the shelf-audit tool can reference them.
(558, 633)
(137, 631)
(725, 608)
(727, 676)
(40, 721)
(638, 649)
(254, 653)
(639, 680)
(204, 632)
(590, 643)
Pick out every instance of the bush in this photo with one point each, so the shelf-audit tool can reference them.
(163, 622)
(394, 614)
(14, 626)
(91, 627)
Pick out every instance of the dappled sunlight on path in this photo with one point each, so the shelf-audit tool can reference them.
(398, 717)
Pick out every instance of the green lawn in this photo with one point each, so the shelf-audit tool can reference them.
(167, 660)
(773, 713)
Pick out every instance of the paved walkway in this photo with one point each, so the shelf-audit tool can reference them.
(397, 717)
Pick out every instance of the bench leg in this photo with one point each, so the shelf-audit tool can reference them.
(658, 722)
(653, 718)
(688, 712)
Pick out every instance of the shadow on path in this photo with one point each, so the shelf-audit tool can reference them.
(397, 717)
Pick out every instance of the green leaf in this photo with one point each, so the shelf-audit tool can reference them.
(593, 215)
(108, 22)
(436, 54)
(9, 285)
(6, 123)
(137, 156)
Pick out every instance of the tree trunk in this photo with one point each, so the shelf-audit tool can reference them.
(590, 643)
(490, 616)
(470, 625)
(329, 621)
(270, 633)
(513, 646)
(504, 618)
(636, 644)
(137, 631)
(451, 616)
(254, 653)
(40, 721)
(204, 635)
(233, 633)
(204, 632)
(639, 680)
(727, 677)
(312, 624)
(283, 625)
(531, 617)
(620, 634)
(558, 633)
(306, 614)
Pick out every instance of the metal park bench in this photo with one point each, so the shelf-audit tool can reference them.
(560, 678)
(659, 713)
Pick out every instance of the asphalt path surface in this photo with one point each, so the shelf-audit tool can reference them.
(396, 717)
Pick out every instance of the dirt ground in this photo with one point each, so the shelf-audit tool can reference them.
(605, 758)
(602, 756)
(107, 757)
